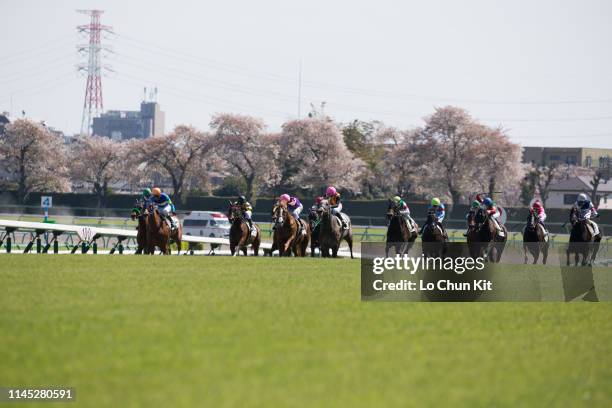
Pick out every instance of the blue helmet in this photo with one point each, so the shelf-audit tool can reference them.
(488, 202)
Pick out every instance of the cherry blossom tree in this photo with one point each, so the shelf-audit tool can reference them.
(33, 159)
(177, 156)
(246, 150)
(98, 162)
(314, 155)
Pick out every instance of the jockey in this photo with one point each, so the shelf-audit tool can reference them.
(538, 209)
(146, 195)
(293, 204)
(247, 210)
(313, 213)
(295, 207)
(493, 213)
(164, 205)
(586, 210)
(474, 207)
(438, 208)
(402, 208)
(333, 197)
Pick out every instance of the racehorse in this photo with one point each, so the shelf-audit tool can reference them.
(399, 236)
(287, 235)
(534, 239)
(331, 232)
(473, 239)
(158, 231)
(240, 236)
(581, 241)
(138, 212)
(314, 228)
(433, 237)
(492, 244)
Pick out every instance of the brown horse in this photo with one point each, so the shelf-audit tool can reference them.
(581, 241)
(331, 232)
(287, 235)
(239, 235)
(492, 244)
(158, 231)
(138, 213)
(399, 236)
(534, 239)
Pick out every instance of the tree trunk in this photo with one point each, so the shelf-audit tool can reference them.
(250, 188)
(491, 186)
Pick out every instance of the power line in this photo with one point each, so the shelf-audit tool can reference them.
(351, 90)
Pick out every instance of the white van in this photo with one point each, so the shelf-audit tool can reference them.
(206, 224)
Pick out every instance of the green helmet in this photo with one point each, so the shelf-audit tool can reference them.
(475, 204)
(396, 199)
(146, 192)
(435, 201)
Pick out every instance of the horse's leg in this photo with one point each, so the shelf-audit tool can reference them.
(349, 241)
(387, 246)
(233, 249)
(335, 251)
(525, 249)
(544, 253)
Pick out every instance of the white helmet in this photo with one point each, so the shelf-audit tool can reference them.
(582, 198)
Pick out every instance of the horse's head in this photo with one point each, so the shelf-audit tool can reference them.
(481, 216)
(471, 218)
(279, 211)
(531, 218)
(137, 210)
(391, 210)
(234, 212)
(573, 216)
(431, 216)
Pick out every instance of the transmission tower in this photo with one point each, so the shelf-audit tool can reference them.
(93, 104)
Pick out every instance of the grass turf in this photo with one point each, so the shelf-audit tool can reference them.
(205, 331)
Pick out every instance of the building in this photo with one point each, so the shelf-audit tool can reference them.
(563, 194)
(577, 156)
(4, 120)
(122, 125)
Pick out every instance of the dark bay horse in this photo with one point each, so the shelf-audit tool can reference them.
(138, 213)
(331, 232)
(433, 237)
(287, 235)
(534, 239)
(581, 241)
(492, 244)
(399, 236)
(240, 236)
(473, 236)
(314, 228)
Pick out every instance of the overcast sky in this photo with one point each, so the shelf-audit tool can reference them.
(541, 69)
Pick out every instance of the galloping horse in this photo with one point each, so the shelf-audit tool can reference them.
(158, 231)
(473, 238)
(314, 228)
(492, 244)
(399, 236)
(433, 237)
(240, 235)
(138, 212)
(331, 232)
(534, 239)
(581, 241)
(287, 235)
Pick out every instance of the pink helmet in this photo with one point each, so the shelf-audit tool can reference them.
(284, 197)
(331, 191)
(537, 204)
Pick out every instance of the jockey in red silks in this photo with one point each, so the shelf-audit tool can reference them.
(493, 212)
(538, 209)
(333, 198)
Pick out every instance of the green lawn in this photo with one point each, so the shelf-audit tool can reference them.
(220, 331)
